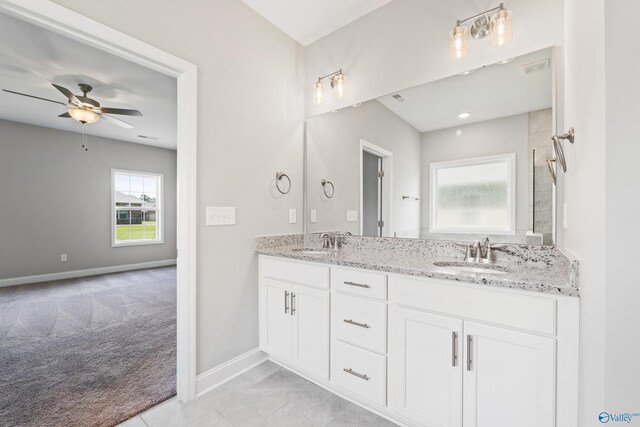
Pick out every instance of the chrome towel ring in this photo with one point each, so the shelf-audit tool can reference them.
(279, 177)
(325, 185)
(557, 147)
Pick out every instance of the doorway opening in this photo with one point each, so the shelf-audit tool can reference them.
(376, 194)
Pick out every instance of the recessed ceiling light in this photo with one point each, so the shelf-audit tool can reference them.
(459, 132)
(466, 73)
(357, 105)
(463, 115)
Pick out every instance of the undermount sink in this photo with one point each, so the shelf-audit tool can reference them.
(313, 251)
(468, 267)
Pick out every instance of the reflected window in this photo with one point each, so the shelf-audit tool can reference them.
(474, 196)
(136, 208)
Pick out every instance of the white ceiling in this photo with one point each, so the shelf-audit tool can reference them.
(309, 20)
(32, 58)
(495, 91)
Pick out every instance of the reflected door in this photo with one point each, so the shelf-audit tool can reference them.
(372, 182)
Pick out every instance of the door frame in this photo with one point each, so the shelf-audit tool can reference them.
(63, 21)
(387, 191)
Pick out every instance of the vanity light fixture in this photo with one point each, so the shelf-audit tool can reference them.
(499, 26)
(338, 83)
(464, 115)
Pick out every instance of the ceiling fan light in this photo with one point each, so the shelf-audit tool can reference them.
(83, 115)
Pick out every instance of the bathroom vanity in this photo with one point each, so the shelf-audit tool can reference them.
(380, 324)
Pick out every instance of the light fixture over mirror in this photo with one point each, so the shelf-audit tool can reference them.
(338, 83)
(499, 26)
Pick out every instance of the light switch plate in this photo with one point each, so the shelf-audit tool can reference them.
(292, 216)
(352, 216)
(63, 257)
(221, 215)
(313, 216)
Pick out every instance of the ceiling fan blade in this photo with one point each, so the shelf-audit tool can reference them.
(122, 111)
(70, 96)
(65, 115)
(36, 97)
(117, 121)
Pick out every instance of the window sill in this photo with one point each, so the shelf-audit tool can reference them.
(137, 243)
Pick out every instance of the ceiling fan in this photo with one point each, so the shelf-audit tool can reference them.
(84, 109)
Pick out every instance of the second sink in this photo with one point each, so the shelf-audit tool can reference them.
(467, 267)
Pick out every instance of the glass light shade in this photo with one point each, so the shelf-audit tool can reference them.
(317, 93)
(83, 115)
(459, 42)
(501, 28)
(339, 85)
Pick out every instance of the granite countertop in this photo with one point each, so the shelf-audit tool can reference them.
(530, 276)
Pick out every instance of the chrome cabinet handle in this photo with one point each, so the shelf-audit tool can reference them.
(354, 373)
(359, 285)
(454, 355)
(293, 303)
(469, 342)
(286, 302)
(351, 322)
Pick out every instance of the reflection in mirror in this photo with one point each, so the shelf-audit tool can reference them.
(456, 159)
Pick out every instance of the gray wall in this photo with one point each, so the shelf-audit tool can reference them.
(250, 125)
(56, 198)
(488, 138)
(333, 145)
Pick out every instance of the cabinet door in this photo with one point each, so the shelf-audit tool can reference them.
(509, 378)
(311, 330)
(279, 319)
(428, 375)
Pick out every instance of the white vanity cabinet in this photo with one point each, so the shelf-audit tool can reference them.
(294, 314)
(422, 351)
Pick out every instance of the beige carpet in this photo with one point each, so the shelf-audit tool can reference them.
(87, 352)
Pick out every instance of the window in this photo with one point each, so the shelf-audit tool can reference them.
(474, 195)
(136, 205)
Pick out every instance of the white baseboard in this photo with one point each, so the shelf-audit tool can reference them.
(83, 273)
(219, 375)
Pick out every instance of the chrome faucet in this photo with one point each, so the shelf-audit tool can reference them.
(328, 241)
(480, 252)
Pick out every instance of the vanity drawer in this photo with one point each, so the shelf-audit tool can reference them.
(295, 272)
(359, 282)
(360, 321)
(360, 371)
(526, 312)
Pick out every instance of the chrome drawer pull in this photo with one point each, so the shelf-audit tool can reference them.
(454, 353)
(293, 303)
(354, 373)
(469, 345)
(359, 285)
(351, 322)
(286, 302)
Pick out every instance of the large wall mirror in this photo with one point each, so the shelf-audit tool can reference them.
(457, 159)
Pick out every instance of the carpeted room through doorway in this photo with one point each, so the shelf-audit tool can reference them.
(90, 351)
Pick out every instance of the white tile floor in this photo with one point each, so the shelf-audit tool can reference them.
(267, 395)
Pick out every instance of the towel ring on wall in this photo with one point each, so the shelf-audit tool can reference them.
(552, 171)
(279, 177)
(325, 184)
(557, 147)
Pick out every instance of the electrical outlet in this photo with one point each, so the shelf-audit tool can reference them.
(292, 216)
(221, 215)
(63, 257)
(352, 216)
(313, 216)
